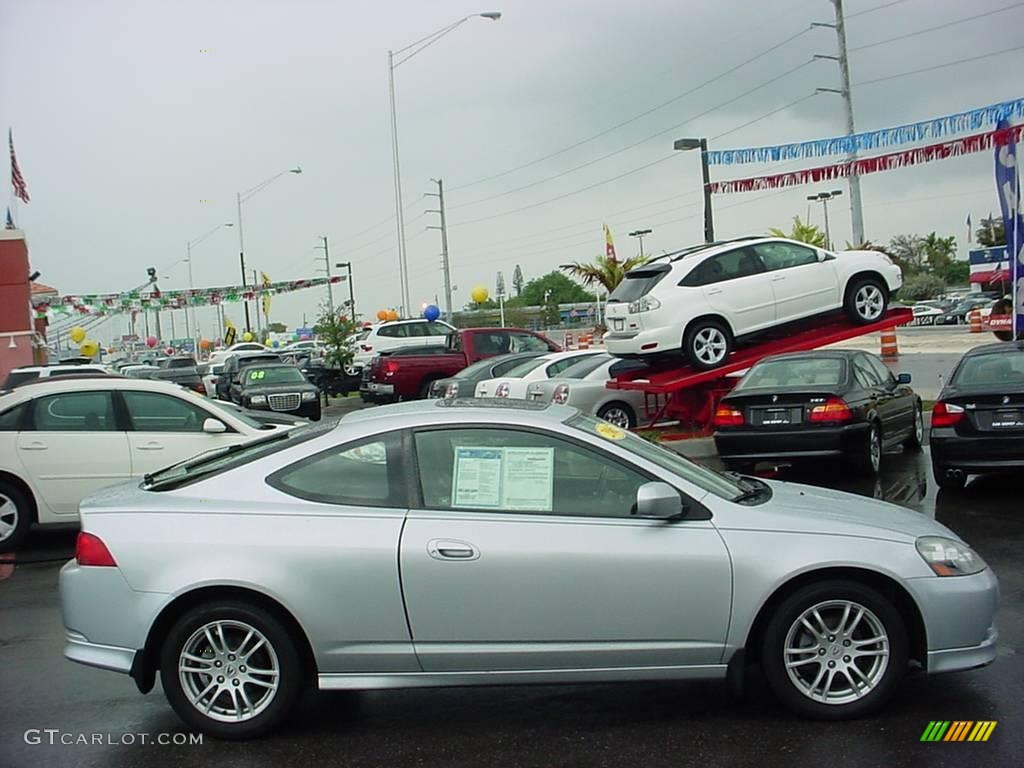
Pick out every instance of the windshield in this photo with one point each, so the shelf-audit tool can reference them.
(584, 367)
(795, 373)
(639, 282)
(720, 485)
(259, 377)
(1003, 371)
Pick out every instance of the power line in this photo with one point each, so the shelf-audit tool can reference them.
(947, 25)
(940, 66)
(872, 10)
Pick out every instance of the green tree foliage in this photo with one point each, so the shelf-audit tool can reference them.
(517, 280)
(939, 251)
(336, 331)
(499, 285)
(991, 233)
(604, 271)
(922, 286)
(558, 288)
(956, 273)
(802, 233)
(277, 328)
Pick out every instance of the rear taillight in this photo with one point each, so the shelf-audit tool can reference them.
(452, 390)
(90, 550)
(502, 390)
(200, 388)
(946, 414)
(213, 379)
(390, 367)
(561, 395)
(833, 409)
(366, 347)
(727, 416)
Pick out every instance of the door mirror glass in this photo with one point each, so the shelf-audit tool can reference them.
(214, 426)
(659, 501)
(903, 378)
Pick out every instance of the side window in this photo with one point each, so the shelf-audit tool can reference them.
(417, 330)
(512, 471)
(785, 255)
(883, 373)
(436, 329)
(151, 412)
(526, 342)
(865, 374)
(11, 419)
(558, 366)
(731, 265)
(500, 369)
(75, 412)
(392, 331)
(363, 474)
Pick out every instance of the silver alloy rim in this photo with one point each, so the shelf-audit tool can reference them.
(869, 301)
(8, 517)
(229, 671)
(874, 448)
(836, 652)
(709, 345)
(617, 416)
(918, 426)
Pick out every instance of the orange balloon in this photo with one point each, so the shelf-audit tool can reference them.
(382, 315)
(392, 315)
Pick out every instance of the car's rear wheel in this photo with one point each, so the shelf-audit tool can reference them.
(867, 457)
(949, 478)
(915, 440)
(707, 344)
(619, 414)
(15, 517)
(834, 650)
(866, 300)
(231, 670)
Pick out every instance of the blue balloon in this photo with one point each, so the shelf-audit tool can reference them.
(276, 343)
(431, 312)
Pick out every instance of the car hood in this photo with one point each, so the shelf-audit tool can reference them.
(809, 509)
(273, 389)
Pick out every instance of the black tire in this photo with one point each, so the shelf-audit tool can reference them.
(424, 391)
(866, 459)
(278, 640)
(619, 412)
(707, 344)
(866, 300)
(15, 516)
(946, 481)
(881, 671)
(915, 441)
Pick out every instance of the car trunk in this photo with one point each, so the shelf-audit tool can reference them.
(989, 414)
(636, 284)
(779, 409)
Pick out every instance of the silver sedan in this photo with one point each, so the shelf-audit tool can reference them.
(583, 386)
(448, 542)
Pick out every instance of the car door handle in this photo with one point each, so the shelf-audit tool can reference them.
(714, 291)
(35, 445)
(450, 549)
(776, 278)
(150, 447)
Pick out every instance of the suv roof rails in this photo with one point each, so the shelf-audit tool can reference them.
(690, 250)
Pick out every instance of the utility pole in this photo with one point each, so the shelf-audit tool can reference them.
(856, 209)
(346, 265)
(327, 263)
(241, 258)
(445, 264)
(255, 284)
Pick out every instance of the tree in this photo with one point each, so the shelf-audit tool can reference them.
(867, 245)
(922, 286)
(277, 328)
(517, 280)
(604, 271)
(956, 273)
(499, 285)
(558, 289)
(991, 233)
(939, 251)
(336, 331)
(802, 233)
(909, 252)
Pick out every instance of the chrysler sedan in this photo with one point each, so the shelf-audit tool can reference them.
(455, 543)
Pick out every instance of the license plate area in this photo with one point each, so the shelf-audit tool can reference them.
(618, 323)
(775, 417)
(1007, 419)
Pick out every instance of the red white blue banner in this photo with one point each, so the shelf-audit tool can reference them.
(1008, 186)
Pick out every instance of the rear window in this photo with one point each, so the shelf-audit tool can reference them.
(639, 282)
(585, 367)
(14, 378)
(821, 371)
(525, 367)
(1000, 371)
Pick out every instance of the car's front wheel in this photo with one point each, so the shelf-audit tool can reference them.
(866, 300)
(834, 650)
(231, 670)
(707, 344)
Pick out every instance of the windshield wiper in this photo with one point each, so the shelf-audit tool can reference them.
(754, 489)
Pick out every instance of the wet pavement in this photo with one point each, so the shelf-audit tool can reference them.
(669, 724)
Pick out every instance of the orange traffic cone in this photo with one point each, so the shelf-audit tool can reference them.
(976, 321)
(890, 346)
(568, 341)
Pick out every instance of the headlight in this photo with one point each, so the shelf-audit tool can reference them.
(309, 396)
(258, 400)
(948, 557)
(645, 304)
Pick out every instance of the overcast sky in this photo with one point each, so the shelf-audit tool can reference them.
(123, 126)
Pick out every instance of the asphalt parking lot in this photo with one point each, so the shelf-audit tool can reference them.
(595, 725)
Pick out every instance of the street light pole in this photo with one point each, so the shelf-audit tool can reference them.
(702, 145)
(347, 265)
(403, 55)
(823, 198)
(639, 234)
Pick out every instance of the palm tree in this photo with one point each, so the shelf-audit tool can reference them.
(802, 233)
(605, 270)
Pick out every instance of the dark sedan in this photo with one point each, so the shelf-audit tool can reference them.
(978, 420)
(821, 404)
(281, 388)
(463, 384)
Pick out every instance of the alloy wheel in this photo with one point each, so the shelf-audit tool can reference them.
(869, 301)
(710, 345)
(918, 426)
(8, 517)
(836, 652)
(874, 449)
(617, 416)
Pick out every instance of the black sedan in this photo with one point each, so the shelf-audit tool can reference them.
(820, 404)
(279, 387)
(463, 384)
(978, 420)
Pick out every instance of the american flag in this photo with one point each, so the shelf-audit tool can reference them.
(17, 180)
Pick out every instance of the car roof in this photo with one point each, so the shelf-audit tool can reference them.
(718, 246)
(498, 410)
(828, 354)
(80, 383)
(995, 348)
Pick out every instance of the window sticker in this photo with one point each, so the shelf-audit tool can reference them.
(609, 431)
(476, 480)
(256, 375)
(512, 479)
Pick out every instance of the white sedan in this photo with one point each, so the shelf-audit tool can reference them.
(62, 440)
(514, 383)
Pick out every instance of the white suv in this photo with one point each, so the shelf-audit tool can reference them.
(701, 299)
(385, 337)
(26, 373)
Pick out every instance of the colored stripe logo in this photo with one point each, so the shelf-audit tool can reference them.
(958, 730)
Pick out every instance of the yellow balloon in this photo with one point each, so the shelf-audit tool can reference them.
(247, 336)
(479, 294)
(77, 334)
(89, 348)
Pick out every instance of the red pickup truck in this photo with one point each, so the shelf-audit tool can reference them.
(406, 374)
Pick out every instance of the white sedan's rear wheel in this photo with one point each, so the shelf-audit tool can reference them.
(15, 517)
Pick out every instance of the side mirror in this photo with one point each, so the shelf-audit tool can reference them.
(214, 426)
(903, 378)
(659, 501)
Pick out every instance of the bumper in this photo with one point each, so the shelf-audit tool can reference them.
(977, 453)
(376, 388)
(767, 445)
(958, 615)
(640, 342)
(109, 657)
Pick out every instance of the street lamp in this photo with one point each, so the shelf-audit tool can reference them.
(702, 145)
(241, 197)
(823, 198)
(347, 266)
(403, 55)
(191, 286)
(639, 234)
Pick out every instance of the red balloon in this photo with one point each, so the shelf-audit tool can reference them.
(152, 341)
(170, 350)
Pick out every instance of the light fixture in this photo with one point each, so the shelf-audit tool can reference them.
(492, 15)
(12, 344)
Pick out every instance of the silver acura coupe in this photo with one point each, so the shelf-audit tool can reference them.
(452, 543)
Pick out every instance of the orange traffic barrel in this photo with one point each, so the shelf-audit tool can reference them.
(890, 346)
(568, 341)
(585, 339)
(975, 315)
